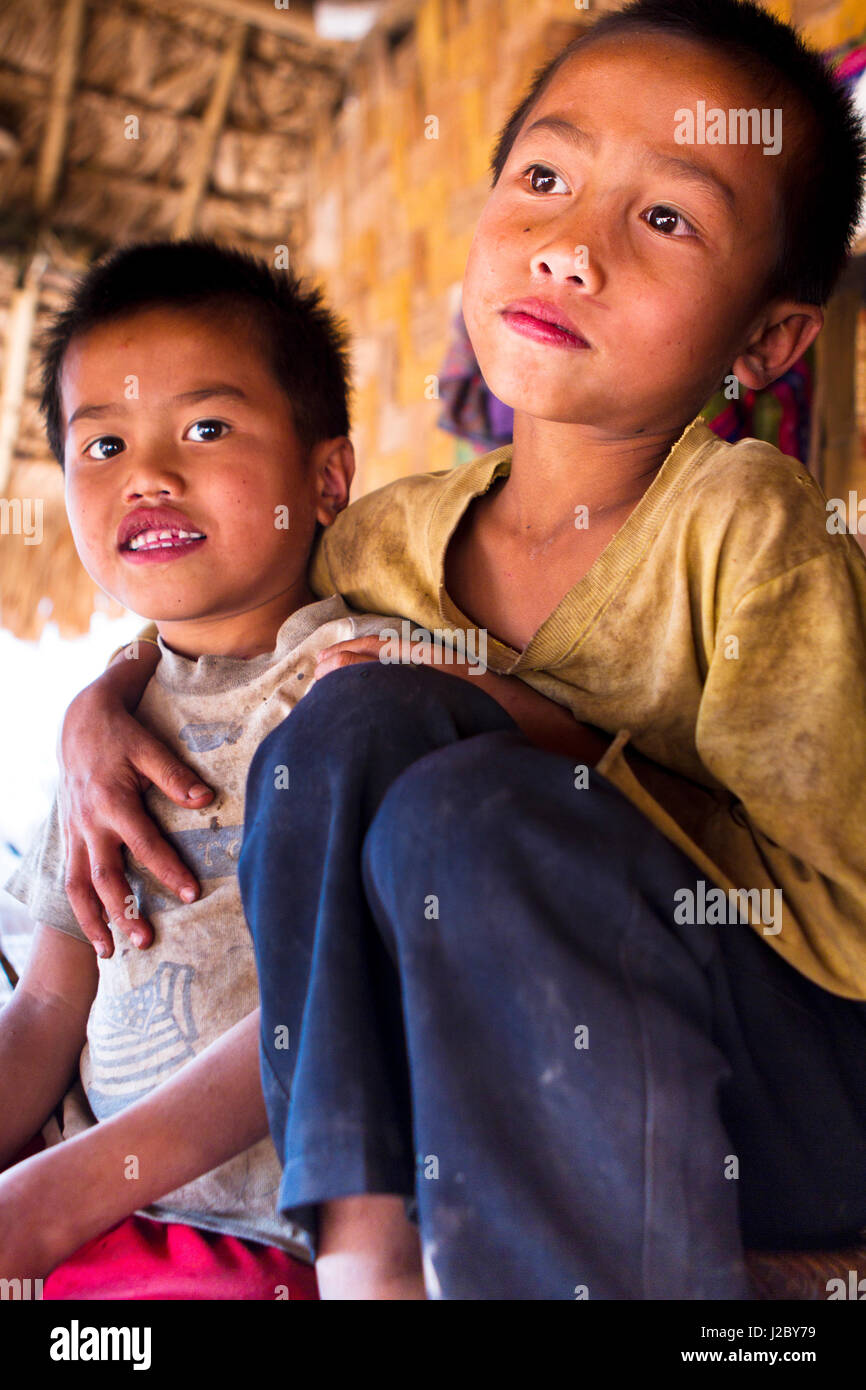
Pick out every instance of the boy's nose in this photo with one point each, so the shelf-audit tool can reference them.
(566, 261)
(153, 484)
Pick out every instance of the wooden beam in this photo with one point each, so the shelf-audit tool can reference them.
(53, 145)
(16, 85)
(295, 22)
(16, 356)
(209, 132)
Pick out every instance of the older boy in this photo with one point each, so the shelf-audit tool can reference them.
(623, 1046)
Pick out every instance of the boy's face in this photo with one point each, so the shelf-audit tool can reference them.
(175, 424)
(669, 294)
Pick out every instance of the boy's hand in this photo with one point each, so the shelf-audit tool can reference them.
(545, 723)
(355, 650)
(107, 759)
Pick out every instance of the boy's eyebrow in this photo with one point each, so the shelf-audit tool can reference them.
(217, 388)
(200, 393)
(686, 168)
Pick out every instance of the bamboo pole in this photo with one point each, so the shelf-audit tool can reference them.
(209, 132)
(53, 145)
(19, 335)
(289, 21)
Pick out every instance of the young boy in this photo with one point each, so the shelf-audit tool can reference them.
(198, 404)
(630, 1029)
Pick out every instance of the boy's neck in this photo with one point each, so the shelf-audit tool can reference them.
(558, 467)
(250, 632)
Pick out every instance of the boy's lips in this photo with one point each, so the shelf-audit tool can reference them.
(157, 533)
(543, 320)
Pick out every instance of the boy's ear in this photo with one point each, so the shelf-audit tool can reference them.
(780, 340)
(333, 462)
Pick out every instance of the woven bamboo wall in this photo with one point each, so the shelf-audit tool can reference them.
(378, 202)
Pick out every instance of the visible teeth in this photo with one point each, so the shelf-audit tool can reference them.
(162, 540)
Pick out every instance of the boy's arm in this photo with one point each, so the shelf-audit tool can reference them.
(545, 723)
(210, 1110)
(107, 759)
(42, 1032)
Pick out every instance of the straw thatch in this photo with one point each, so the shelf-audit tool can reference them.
(119, 121)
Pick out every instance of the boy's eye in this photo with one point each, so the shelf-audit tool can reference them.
(540, 174)
(105, 448)
(206, 431)
(667, 218)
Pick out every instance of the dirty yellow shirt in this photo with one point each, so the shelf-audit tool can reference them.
(722, 633)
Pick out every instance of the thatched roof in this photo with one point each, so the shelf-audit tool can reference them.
(119, 121)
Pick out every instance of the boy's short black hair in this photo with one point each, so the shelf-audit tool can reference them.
(305, 343)
(823, 175)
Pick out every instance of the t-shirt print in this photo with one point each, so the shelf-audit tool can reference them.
(135, 1034)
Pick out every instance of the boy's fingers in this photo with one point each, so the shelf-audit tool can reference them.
(334, 661)
(85, 903)
(132, 825)
(158, 765)
(370, 645)
(109, 882)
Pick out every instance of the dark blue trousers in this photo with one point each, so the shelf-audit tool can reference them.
(474, 994)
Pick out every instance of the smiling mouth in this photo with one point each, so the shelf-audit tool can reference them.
(168, 538)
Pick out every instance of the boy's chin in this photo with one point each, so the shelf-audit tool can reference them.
(158, 609)
(561, 406)
(156, 613)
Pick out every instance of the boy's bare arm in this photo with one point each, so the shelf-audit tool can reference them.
(544, 722)
(42, 1032)
(210, 1110)
(107, 760)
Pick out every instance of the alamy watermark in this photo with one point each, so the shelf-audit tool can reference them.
(713, 906)
(77, 1343)
(846, 515)
(22, 516)
(738, 126)
(420, 646)
(20, 1290)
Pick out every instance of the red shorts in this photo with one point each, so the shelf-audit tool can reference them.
(145, 1259)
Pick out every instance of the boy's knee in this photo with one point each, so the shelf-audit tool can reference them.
(443, 814)
(492, 810)
(441, 795)
(358, 712)
(326, 717)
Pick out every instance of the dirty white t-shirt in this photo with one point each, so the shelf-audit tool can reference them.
(157, 1009)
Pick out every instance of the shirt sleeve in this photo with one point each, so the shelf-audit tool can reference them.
(782, 725)
(38, 880)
